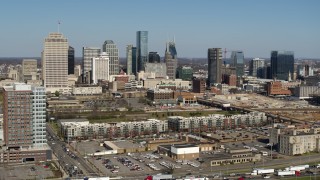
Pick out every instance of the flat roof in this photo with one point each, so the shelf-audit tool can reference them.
(184, 145)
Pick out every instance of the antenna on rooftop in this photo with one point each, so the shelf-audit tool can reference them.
(59, 26)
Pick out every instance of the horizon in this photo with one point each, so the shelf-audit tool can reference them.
(254, 27)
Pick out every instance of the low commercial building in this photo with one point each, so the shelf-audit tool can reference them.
(180, 151)
(179, 83)
(235, 157)
(185, 98)
(275, 88)
(90, 90)
(306, 92)
(161, 96)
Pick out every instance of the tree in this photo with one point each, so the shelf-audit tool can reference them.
(57, 93)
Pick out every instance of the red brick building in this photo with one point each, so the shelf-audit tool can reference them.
(276, 88)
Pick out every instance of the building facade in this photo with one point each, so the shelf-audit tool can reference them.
(29, 69)
(78, 129)
(55, 63)
(87, 54)
(198, 85)
(282, 65)
(306, 92)
(142, 50)
(171, 60)
(185, 73)
(154, 57)
(161, 96)
(24, 123)
(158, 69)
(131, 60)
(299, 142)
(71, 60)
(192, 124)
(214, 66)
(277, 88)
(100, 68)
(113, 52)
(237, 58)
(256, 68)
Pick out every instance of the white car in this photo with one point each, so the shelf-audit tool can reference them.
(266, 177)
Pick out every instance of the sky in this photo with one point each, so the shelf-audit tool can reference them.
(255, 27)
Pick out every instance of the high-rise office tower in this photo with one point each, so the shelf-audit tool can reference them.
(214, 66)
(170, 58)
(100, 68)
(55, 62)
(154, 57)
(24, 115)
(87, 54)
(172, 49)
(256, 68)
(237, 58)
(71, 60)
(282, 64)
(113, 52)
(29, 69)
(131, 60)
(142, 49)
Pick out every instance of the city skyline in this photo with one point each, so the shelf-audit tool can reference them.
(256, 28)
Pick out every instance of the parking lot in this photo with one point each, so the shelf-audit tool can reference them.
(25, 172)
(141, 164)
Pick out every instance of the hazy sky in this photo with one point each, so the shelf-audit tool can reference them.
(256, 27)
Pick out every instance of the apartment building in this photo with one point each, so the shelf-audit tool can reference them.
(82, 129)
(215, 121)
(299, 141)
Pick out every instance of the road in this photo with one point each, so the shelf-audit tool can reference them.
(238, 168)
(65, 160)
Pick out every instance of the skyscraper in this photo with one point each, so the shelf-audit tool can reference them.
(256, 67)
(237, 58)
(71, 60)
(170, 58)
(172, 49)
(55, 63)
(100, 68)
(131, 60)
(142, 49)
(214, 66)
(113, 52)
(87, 54)
(282, 64)
(154, 57)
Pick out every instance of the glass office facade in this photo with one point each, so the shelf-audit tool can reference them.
(142, 50)
(282, 64)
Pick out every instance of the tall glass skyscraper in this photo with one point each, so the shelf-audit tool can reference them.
(113, 52)
(214, 66)
(282, 64)
(131, 60)
(237, 58)
(142, 49)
